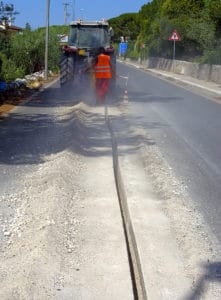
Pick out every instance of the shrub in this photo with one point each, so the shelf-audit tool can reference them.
(9, 71)
(134, 54)
(212, 57)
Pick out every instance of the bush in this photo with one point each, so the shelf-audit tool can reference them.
(8, 70)
(134, 55)
(26, 52)
(212, 57)
(132, 51)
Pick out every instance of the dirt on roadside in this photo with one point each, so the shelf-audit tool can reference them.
(13, 100)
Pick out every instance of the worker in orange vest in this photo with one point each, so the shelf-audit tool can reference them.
(103, 73)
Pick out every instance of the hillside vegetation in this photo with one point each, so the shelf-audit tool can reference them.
(197, 22)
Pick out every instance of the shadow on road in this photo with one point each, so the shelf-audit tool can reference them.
(52, 122)
(212, 273)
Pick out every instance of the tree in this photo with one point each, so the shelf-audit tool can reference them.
(28, 26)
(175, 9)
(7, 13)
(198, 22)
(28, 49)
(126, 25)
(214, 11)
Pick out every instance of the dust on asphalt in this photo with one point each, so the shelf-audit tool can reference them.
(42, 229)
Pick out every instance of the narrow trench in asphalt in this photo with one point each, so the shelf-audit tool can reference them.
(139, 291)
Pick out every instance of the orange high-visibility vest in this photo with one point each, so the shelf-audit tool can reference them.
(103, 67)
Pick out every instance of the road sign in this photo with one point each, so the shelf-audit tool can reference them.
(122, 48)
(175, 36)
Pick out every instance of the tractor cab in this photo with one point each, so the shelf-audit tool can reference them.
(90, 35)
(84, 40)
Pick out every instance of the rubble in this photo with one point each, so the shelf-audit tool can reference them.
(19, 86)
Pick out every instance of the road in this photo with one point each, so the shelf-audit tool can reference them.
(186, 127)
(59, 203)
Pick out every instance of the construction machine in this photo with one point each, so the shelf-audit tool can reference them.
(84, 41)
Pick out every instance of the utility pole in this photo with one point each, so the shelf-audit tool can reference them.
(66, 12)
(46, 38)
(82, 13)
(73, 8)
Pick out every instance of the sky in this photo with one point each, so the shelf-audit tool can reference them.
(34, 11)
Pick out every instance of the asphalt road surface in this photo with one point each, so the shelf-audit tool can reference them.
(187, 129)
(53, 150)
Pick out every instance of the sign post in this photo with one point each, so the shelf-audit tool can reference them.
(175, 37)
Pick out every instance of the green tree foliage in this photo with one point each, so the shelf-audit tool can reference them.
(25, 52)
(7, 13)
(213, 8)
(175, 9)
(28, 26)
(198, 23)
(154, 28)
(9, 71)
(28, 49)
(126, 25)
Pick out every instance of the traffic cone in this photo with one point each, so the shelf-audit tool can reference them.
(125, 97)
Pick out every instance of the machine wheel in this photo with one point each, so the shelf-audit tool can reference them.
(66, 69)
